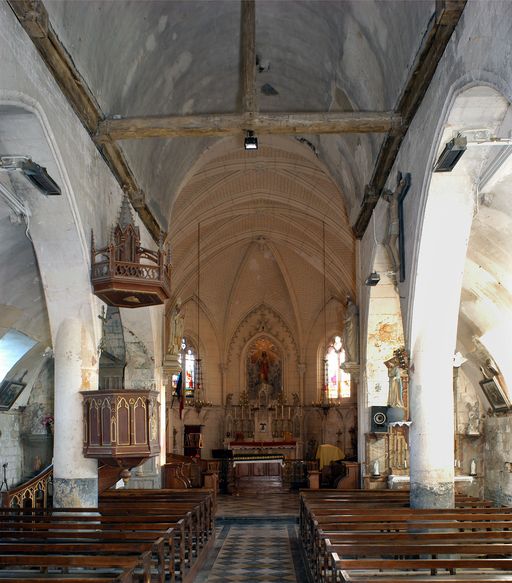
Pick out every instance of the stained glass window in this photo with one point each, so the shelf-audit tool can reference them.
(338, 381)
(189, 371)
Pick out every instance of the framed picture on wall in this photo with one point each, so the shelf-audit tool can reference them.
(495, 394)
(9, 392)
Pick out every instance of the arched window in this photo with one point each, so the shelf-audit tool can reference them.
(338, 381)
(189, 370)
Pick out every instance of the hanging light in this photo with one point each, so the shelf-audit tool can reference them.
(198, 380)
(325, 388)
(250, 141)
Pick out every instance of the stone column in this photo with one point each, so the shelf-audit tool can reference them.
(170, 366)
(301, 369)
(223, 368)
(435, 317)
(75, 481)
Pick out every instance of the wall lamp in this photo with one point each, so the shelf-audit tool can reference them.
(250, 141)
(35, 174)
(373, 279)
(451, 154)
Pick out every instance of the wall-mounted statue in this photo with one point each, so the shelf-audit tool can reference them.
(176, 327)
(351, 332)
(395, 237)
(395, 398)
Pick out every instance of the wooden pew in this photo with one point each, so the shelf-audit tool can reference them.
(341, 537)
(75, 526)
(14, 565)
(137, 517)
(101, 548)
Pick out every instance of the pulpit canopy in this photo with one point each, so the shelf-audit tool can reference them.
(125, 274)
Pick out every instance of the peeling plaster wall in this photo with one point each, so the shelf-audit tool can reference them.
(11, 451)
(36, 438)
(497, 454)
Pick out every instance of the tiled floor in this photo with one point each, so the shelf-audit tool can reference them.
(257, 539)
(259, 498)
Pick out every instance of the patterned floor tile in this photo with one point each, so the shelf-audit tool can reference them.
(259, 550)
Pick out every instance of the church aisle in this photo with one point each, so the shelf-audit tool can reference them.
(257, 538)
(247, 551)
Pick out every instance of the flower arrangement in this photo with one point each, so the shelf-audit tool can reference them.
(198, 404)
(48, 422)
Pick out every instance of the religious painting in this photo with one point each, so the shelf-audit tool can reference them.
(9, 392)
(264, 369)
(495, 394)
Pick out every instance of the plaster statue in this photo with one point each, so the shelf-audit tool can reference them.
(229, 399)
(176, 330)
(473, 427)
(393, 222)
(263, 367)
(395, 383)
(351, 332)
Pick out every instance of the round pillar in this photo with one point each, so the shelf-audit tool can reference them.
(75, 482)
(435, 317)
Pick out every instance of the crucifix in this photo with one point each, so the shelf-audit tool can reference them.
(103, 317)
(395, 236)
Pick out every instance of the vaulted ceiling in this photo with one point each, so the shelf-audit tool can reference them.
(184, 57)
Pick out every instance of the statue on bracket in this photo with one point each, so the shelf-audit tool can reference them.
(395, 236)
(351, 332)
(176, 328)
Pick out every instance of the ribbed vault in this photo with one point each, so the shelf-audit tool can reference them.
(262, 216)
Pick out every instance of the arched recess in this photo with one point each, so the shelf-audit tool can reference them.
(326, 325)
(206, 341)
(262, 321)
(57, 234)
(442, 289)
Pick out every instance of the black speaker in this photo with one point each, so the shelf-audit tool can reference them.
(379, 419)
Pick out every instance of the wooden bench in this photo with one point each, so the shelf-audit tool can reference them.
(346, 541)
(75, 526)
(171, 526)
(14, 565)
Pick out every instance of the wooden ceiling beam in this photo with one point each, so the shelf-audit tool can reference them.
(229, 124)
(435, 40)
(248, 39)
(33, 17)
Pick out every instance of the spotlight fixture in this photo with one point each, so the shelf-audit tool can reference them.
(451, 154)
(373, 279)
(35, 174)
(250, 141)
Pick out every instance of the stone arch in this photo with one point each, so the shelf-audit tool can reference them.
(451, 205)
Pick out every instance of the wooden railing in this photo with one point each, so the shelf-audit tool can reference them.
(36, 493)
(140, 271)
